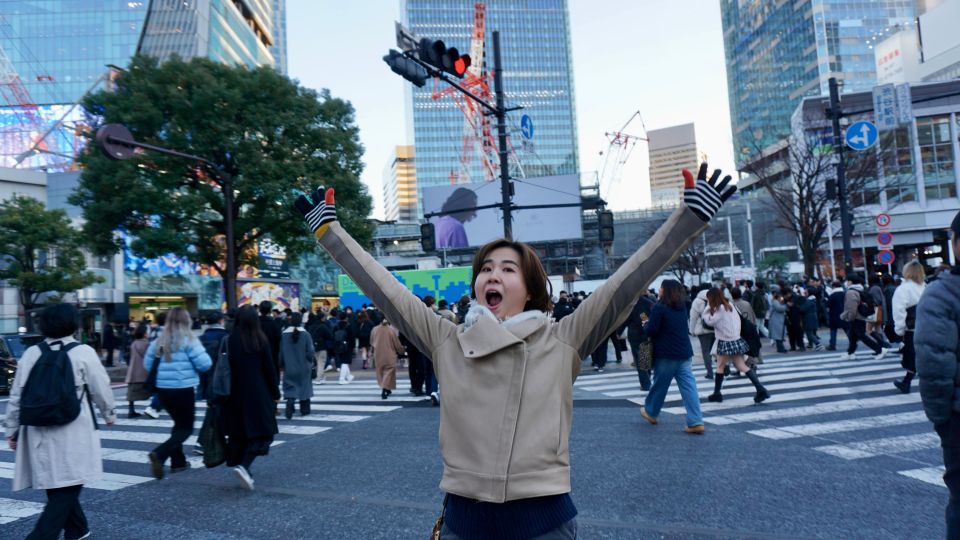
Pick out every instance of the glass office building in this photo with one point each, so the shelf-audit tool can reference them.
(777, 53)
(59, 50)
(537, 75)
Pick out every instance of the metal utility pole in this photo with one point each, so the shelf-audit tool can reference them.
(116, 141)
(846, 226)
(506, 188)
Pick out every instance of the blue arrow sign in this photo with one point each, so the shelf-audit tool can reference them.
(526, 127)
(861, 135)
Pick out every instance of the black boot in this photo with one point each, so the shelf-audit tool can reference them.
(762, 393)
(716, 396)
(289, 412)
(304, 407)
(383, 394)
(133, 413)
(904, 384)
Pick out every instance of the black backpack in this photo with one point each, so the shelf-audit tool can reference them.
(49, 396)
(341, 344)
(867, 307)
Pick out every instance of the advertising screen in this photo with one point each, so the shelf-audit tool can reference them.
(463, 227)
(446, 283)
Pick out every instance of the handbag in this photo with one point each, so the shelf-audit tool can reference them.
(220, 382)
(211, 439)
(150, 385)
(645, 356)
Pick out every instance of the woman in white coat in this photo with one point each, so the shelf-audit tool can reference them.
(60, 459)
(905, 300)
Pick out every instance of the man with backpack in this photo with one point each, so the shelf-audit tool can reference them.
(858, 308)
(51, 424)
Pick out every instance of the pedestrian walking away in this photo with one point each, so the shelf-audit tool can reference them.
(136, 374)
(672, 357)
(858, 307)
(56, 441)
(181, 359)
(937, 343)
(778, 321)
(703, 332)
(835, 302)
(507, 474)
(385, 348)
(904, 312)
(297, 360)
(730, 347)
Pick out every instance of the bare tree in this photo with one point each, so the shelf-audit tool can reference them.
(692, 260)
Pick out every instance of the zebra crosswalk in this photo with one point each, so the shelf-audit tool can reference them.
(125, 445)
(847, 409)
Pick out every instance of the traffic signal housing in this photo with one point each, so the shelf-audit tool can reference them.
(406, 68)
(427, 238)
(445, 59)
(606, 227)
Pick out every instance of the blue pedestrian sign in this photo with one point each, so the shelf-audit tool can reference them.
(526, 127)
(861, 135)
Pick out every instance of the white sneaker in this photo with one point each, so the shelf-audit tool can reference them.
(846, 357)
(151, 413)
(244, 477)
(881, 354)
(329, 368)
(349, 378)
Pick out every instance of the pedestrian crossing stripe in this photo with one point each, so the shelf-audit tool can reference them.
(841, 426)
(13, 509)
(792, 396)
(285, 429)
(108, 481)
(812, 410)
(319, 407)
(930, 475)
(884, 446)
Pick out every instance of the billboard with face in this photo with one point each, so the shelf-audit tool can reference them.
(462, 226)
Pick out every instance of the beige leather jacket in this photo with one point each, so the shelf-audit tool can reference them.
(508, 388)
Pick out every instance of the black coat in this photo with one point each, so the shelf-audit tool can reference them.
(271, 329)
(249, 412)
(835, 307)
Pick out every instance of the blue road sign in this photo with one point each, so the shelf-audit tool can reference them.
(885, 257)
(861, 135)
(526, 127)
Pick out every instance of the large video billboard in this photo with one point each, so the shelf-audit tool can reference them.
(465, 228)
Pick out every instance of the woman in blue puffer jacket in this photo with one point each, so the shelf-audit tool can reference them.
(182, 357)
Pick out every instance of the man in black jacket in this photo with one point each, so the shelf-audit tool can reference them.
(563, 307)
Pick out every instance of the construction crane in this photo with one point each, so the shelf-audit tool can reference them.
(619, 149)
(15, 94)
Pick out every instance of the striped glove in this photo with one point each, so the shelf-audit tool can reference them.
(318, 209)
(705, 197)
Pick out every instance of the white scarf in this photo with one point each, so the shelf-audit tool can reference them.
(476, 311)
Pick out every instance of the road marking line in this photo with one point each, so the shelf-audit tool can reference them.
(879, 447)
(12, 510)
(107, 482)
(812, 410)
(792, 396)
(930, 475)
(842, 426)
(324, 407)
(286, 429)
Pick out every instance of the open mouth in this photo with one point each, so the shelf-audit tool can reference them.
(493, 299)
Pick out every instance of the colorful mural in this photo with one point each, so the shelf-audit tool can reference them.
(447, 283)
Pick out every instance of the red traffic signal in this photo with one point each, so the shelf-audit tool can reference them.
(439, 56)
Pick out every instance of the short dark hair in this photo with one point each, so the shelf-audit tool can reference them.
(442, 304)
(534, 276)
(735, 293)
(161, 317)
(214, 317)
(140, 332)
(856, 279)
(266, 307)
(58, 320)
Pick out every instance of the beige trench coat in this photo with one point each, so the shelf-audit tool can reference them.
(68, 455)
(386, 347)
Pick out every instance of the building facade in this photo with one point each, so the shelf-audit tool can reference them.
(400, 186)
(927, 49)
(780, 52)
(672, 149)
(279, 48)
(537, 75)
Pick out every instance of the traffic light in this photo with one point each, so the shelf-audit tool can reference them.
(606, 227)
(439, 56)
(427, 240)
(406, 68)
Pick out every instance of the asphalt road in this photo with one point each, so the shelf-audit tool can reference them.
(826, 457)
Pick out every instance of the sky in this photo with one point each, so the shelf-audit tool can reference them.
(662, 58)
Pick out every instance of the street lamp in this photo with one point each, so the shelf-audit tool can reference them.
(116, 142)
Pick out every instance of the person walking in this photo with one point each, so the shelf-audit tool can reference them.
(60, 459)
(761, 308)
(182, 358)
(904, 313)
(247, 417)
(857, 308)
(110, 342)
(835, 302)
(136, 374)
(343, 347)
(810, 314)
(673, 357)
(937, 343)
(297, 357)
(778, 321)
(385, 348)
(730, 346)
(704, 333)
(510, 368)
(794, 320)
(364, 327)
(636, 335)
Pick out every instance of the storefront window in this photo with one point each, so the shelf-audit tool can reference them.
(897, 157)
(936, 155)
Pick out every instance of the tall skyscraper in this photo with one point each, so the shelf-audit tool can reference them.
(537, 75)
(400, 186)
(672, 149)
(279, 48)
(779, 52)
(58, 50)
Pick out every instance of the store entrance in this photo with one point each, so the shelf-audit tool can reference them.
(146, 307)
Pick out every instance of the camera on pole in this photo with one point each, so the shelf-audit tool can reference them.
(406, 68)
(439, 56)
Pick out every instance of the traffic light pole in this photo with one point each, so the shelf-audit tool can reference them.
(846, 224)
(506, 188)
